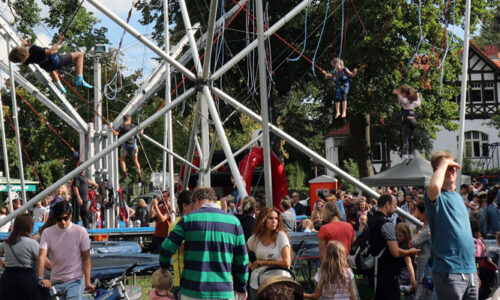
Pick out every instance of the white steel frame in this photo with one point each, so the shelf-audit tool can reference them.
(205, 106)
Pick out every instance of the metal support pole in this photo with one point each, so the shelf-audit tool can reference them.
(243, 53)
(264, 109)
(141, 38)
(40, 96)
(89, 153)
(165, 149)
(190, 151)
(225, 144)
(310, 153)
(168, 132)
(98, 121)
(238, 152)
(205, 130)
(4, 148)
(16, 125)
(98, 156)
(463, 91)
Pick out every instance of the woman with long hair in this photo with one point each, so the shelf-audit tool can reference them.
(272, 248)
(407, 281)
(334, 277)
(21, 252)
(316, 214)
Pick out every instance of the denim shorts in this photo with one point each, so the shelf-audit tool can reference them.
(71, 290)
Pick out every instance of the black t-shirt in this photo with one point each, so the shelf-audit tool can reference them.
(82, 183)
(123, 129)
(382, 230)
(141, 214)
(247, 224)
(38, 56)
(299, 209)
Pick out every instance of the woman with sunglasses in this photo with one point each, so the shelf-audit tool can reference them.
(21, 252)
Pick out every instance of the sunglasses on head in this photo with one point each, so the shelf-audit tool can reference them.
(66, 218)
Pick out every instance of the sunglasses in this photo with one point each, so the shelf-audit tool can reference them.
(66, 218)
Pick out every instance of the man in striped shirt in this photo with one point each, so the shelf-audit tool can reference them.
(215, 255)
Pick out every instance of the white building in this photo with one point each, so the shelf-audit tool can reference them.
(482, 142)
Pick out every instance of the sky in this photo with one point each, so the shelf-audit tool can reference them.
(135, 55)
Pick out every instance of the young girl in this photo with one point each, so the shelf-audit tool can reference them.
(409, 100)
(162, 283)
(335, 278)
(308, 226)
(363, 221)
(341, 77)
(407, 281)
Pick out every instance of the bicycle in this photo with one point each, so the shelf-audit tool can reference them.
(116, 288)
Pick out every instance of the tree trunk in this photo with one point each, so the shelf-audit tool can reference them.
(360, 144)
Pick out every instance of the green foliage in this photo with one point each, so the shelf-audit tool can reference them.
(495, 121)
(351, 167)
(490, 29)
(295, 175)
(467, 167)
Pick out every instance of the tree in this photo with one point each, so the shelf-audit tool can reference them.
(384, 48)
(490, 30)
(495, 121)
(50, 154)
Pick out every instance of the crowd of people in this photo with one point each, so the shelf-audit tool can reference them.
(244, 243)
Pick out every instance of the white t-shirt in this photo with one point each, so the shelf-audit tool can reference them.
(6, 227)
(270, 252)
(38, 213)
(338, 294)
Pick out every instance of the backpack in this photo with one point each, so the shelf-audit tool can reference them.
(360, 259)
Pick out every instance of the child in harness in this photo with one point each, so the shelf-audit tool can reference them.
(341, 77)
(50, 61)
(129, 147)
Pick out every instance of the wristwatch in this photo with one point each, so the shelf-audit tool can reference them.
(40, 278)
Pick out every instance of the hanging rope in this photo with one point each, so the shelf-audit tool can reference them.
(57, 133)
(421, 34)
(116, 64)
(359, 17)
(341, 31)
(320, 36)
(383, 30)
(305, 36)
(448, 44)
(23, 148)
(72, 18)
(345, 29)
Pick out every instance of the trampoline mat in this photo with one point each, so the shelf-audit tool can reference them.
(115, 247)
(108, 266)
(308, 248)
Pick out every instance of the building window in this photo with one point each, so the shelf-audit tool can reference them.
(489, 92)
(475, 92)
(476, 144)
(377, 152)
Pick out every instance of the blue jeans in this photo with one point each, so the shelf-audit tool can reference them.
(71, 290)
(452, 286)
